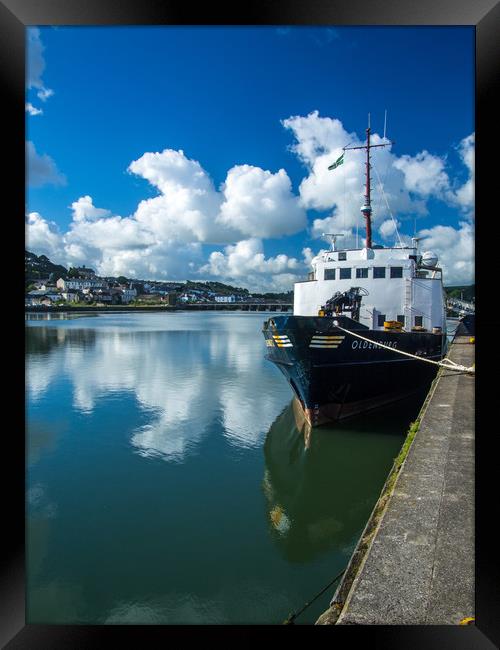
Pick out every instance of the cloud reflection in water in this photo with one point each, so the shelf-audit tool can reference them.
(184, 379)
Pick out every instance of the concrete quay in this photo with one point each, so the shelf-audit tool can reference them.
(414, 564)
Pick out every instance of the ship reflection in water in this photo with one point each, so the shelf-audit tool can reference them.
(321, 484)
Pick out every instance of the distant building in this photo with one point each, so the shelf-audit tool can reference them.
(81, 284)
(171, 298)
(41, 297)
(85, 272)
(128, 294)
(225, 298)
(102, 296)
(70, 296)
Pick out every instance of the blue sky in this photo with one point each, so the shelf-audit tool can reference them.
(225, 109)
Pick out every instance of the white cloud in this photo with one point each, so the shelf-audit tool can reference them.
(455, 250)
(251, 203)
(113, 245)
(163, 237)
(42, 236)
(44, 94)
(260, 204)
(464, 195)
(424, 174)
(41, 169)
(84, 210)
(32, 110)
(388, 228)
(245, 264)
(36, 64)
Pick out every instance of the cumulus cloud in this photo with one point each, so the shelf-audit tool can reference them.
(455, 249)
(260, 204)
(388, 228)
(163, 237)
(42, 236)
(41, 169)
(251, 203)
(424, 174)
(84, 210)
(246, 264)
(111, 244)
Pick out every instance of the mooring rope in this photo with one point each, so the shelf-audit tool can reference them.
(293, 616)
(444, 363)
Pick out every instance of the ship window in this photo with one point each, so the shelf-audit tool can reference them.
(419, 320)
(396, 271)
(342, 257)
(379, 271)
(361, 273)
(310, 275)
(381, 320)
(345, 274)
(401, 319)
(329, 274)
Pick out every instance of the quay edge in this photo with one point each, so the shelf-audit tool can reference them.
(403, 564)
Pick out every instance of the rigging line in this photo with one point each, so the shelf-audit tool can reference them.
(377, 210)
(444, 363)
(388, 207)
(293, 616)
(385, 178)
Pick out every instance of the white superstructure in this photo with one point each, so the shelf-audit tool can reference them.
(402, 286)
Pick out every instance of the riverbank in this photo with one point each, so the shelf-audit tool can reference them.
(414, 563)
(160, 308)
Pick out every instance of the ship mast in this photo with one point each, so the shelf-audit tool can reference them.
(366, 208)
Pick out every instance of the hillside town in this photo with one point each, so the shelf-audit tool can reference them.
(48, 285)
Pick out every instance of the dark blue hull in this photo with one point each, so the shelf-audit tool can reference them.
(336, 375)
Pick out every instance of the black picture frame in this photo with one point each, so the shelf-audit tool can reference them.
(15, 16)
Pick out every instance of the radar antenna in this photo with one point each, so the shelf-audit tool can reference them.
(333, 237)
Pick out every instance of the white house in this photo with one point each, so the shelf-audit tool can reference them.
(225, 299)
(70, 296)
(79, 284)
(128, 294)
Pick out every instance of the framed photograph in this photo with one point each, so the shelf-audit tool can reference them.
(246, 231)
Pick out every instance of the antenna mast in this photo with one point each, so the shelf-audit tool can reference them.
(366, 208)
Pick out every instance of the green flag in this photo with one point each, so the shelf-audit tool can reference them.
(338, 162)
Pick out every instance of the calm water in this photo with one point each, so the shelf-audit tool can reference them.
(167, 481)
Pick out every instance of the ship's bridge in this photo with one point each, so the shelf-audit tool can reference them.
(400, 286)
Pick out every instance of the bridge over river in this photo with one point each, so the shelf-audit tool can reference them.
(239, 306)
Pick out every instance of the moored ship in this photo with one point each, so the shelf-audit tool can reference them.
(358, 311)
